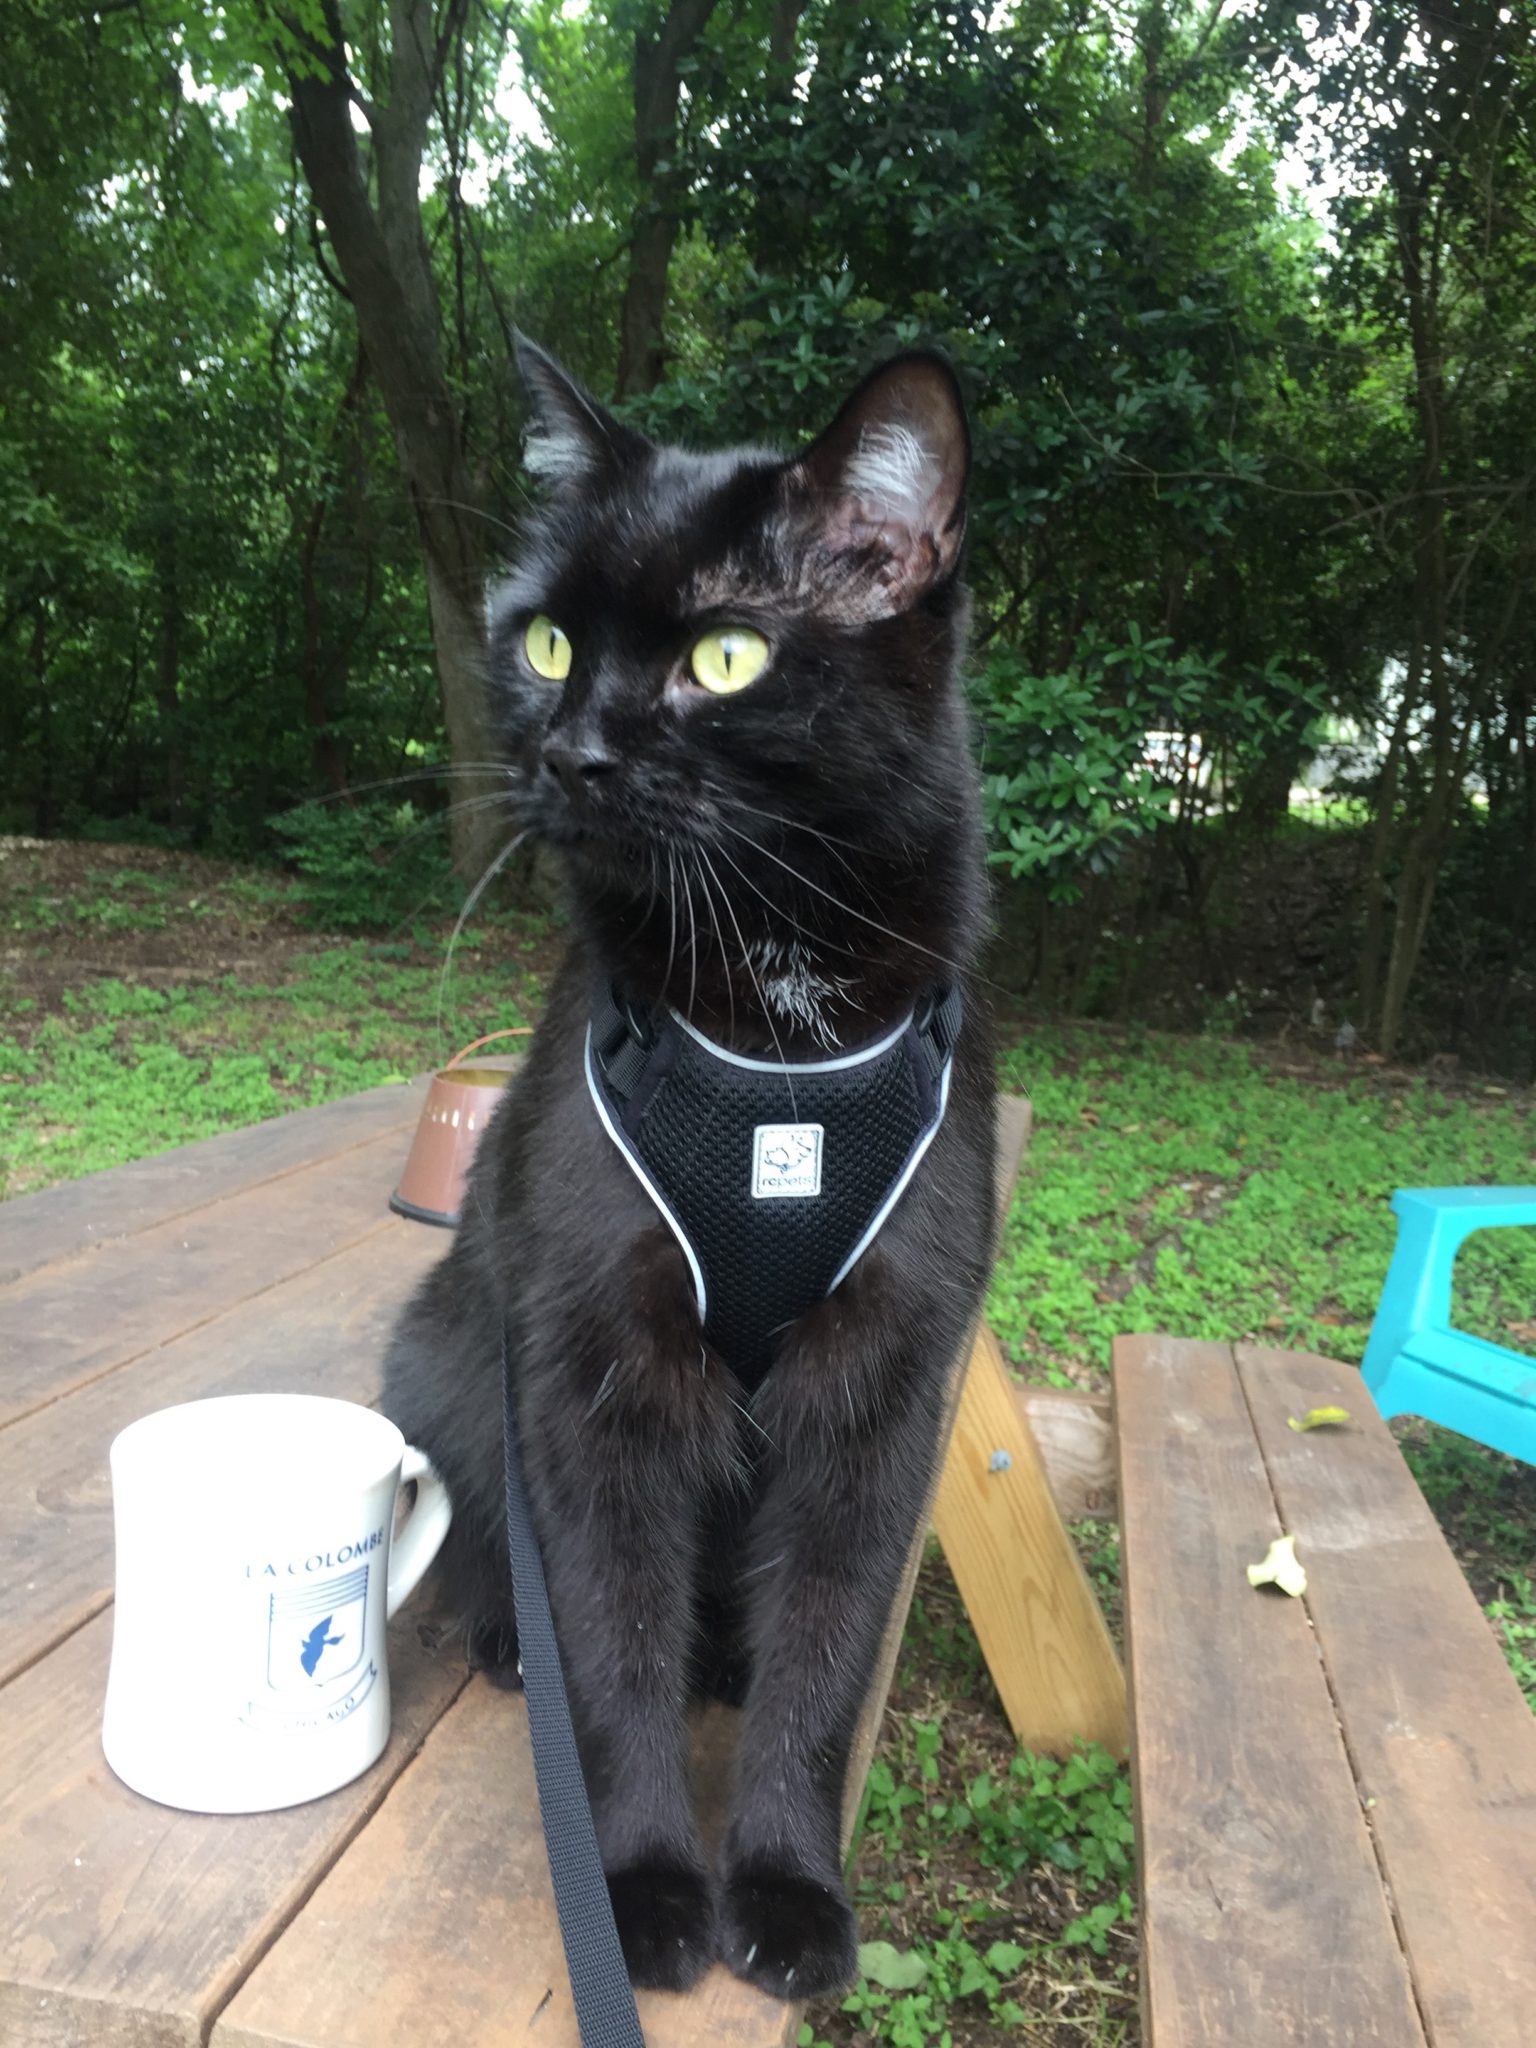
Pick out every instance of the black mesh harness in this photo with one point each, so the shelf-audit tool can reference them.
(774, 1177)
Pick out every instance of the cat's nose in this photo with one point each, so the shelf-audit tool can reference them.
(581, 763)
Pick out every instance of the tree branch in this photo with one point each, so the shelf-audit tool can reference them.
(318, 247)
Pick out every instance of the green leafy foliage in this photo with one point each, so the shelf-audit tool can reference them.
(1073, 1815)
(1067, 775)
(1485, 1505)
(373, 866)
(1217, 493)
(1076, 1814)
(1514, 1614)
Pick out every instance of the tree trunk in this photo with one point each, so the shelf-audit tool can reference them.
(1383, 834)
(385, 263)
(42, 810)
(325, 749)
(1265, 803)
(658, 88)
(168, 657)
(1421, 864)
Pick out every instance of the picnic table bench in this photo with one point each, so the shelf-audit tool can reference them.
(1336, 1797)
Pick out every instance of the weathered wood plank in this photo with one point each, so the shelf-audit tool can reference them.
(437, 1928)
(81, 1214)
(321, 1332)
(1019, 1574)
(127, 1924)
(1442, 1742)
(1264, 1915)
(1013, 1122)
(1075, 1436)
(77, 1319)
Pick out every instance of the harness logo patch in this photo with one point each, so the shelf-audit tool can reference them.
(786, 1160)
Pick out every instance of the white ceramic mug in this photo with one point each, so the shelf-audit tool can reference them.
(257, 1564)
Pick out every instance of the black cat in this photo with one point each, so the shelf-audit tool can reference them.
(729, 690)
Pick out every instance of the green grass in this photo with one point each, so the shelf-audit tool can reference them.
(959, 1830)
(124, 1067)
(1515, 1617)
(1196, 1185)
(1487, 1505)
(121, 900)
(127, 1069)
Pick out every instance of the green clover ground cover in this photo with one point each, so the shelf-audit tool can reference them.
(1199, 1185)
(118, 1068)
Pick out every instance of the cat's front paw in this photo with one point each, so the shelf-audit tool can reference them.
(788, 1934)
(666, 1924)
(491, 1645)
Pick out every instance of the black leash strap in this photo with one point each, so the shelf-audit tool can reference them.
(605, 2004)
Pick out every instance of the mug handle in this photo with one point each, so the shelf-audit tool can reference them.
(420, 1535)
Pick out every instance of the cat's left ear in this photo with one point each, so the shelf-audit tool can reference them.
(571, 439)
(884, 489)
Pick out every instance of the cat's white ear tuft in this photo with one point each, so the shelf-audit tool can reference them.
(571, 439)
(556, 456)
(893, 467)
(884, 489)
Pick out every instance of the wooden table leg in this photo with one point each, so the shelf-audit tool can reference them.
(1020, 1576)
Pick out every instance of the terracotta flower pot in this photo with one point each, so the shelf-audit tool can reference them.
(457, 1109)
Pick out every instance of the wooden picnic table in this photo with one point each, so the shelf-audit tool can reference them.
(410, 1907)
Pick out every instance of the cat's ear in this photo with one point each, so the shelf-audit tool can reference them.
(884, 489)
(571, 440)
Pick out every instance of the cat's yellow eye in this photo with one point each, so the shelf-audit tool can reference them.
(547, 649)
(729, 660)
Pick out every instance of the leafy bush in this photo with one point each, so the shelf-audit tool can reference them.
(1069, 774)
(1065, 775)
(367, 866)
(1077, 1814)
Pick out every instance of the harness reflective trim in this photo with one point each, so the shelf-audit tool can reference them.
(774, 1177)
(899, 1189)
(637, 1168)
(828, 1066)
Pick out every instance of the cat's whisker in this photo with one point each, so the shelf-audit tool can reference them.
(475, 512)
(783, 916)
(767, 1439)
(653, 872)
(465, 807)
(827, 839)
(730, 989)
(603, 1393)
(762, 1000)
(693, 939)
(445, 771)
(666, 979)
(836, 901)
(796, 825)
(756, 1570)
(470, 901)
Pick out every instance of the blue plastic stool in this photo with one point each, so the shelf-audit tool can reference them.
(1415, 1363)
